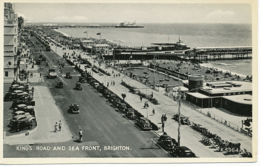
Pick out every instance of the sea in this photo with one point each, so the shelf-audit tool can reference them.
(194, 35)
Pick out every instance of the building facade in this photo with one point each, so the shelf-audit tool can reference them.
(234, 96)
(10, 43)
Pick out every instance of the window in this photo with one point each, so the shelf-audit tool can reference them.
(9, 63)
(6, 73)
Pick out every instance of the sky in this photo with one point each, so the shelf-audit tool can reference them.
(140, 13)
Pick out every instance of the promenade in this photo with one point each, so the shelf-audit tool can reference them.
(189, 137)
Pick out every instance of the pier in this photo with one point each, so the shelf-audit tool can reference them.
(199, 54)
(202, 54)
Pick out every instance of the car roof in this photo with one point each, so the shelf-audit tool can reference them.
(17, 112)
(184, 148)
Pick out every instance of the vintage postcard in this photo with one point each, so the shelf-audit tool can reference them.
(128, 81)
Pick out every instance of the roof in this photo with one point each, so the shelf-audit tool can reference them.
(87, 41)
(243, 87)
(198, 95)
(164, 44)
(242, 99)
(182, 88)
(101, 45)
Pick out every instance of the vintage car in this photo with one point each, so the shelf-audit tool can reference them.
(74, 109)
(68, 76)
(130, 114)
(59, 84)
(166, 142)
(78, 86)
(144, 123)
(101, 88)
(18, 112)
(183, 119)
(20, 107)
(82, 79)
(52, 73)
(21, 122)
(29, 109)
(183, 151)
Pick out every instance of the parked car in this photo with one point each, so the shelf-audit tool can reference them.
(21, 122)
(130, 114)
(144, 123)
(183, 151)
(166, 142)
(183, 119)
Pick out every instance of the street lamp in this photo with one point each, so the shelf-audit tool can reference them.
(179, 97)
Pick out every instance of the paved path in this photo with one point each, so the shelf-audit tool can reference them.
(47, 113)
(190, 138)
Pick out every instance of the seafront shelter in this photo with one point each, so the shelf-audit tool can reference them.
(234, 96)
(239, 104)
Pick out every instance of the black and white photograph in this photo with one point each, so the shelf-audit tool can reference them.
(129, 80)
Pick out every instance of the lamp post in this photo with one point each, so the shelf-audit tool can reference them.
(179, 97)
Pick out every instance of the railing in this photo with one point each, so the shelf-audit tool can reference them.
(223, 121)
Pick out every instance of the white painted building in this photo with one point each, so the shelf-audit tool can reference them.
(10, 43)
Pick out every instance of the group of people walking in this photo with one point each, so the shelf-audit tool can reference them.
(57, 126)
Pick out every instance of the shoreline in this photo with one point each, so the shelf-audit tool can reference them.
(65, 34)
(209, 65)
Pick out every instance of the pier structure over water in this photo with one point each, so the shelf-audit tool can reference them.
(199, 54)
(218, 53)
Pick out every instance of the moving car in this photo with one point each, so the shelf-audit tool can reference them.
(52, 73)
(74, 109)
(68, 76)
(78, 86)
(59, 84)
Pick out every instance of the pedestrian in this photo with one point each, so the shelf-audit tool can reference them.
(56, 127)
(80, 135)
(162, 119)
(145, 104)
(153, 111)
(60, 125)
(163, 127)
(141, 98)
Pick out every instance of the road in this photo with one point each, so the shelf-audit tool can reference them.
(101, 124)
